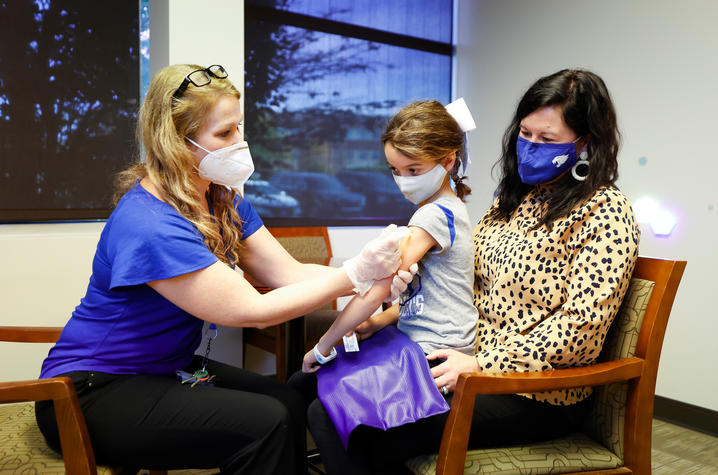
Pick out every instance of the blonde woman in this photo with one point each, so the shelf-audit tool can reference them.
(163, 267)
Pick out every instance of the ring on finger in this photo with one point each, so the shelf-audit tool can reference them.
(444, 390)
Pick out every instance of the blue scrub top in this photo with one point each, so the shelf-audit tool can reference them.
(122, 326)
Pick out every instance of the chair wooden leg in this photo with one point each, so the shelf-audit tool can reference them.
(280, 352)
(244, 350)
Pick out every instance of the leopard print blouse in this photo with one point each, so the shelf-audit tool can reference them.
(546, 299)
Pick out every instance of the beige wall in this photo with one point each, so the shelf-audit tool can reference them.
(44, 271)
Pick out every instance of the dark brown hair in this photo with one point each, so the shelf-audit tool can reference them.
(589, 112)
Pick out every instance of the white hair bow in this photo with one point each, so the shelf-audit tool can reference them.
(461, 114)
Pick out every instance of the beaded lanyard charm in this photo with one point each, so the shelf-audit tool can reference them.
(201, 376)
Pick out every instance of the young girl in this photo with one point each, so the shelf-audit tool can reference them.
(424, 147)
(378, 387)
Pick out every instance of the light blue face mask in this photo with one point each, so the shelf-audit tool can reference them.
(542, 162)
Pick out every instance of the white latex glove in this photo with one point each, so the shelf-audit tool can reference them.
(379, 258)
(401, 281)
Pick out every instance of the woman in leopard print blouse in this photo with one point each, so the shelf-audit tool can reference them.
(554, 256)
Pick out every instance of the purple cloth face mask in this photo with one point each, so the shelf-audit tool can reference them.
(386, 384)
(542, 162)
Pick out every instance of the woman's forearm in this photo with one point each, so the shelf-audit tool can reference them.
(297, 299)
(220, 295)
(299, 272)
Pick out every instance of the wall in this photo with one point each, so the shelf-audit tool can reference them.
(44, 271)
(659, 61)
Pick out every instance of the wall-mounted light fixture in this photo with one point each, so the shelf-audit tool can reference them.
(661, 221)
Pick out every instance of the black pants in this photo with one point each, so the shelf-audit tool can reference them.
(246, 423)
(498, 420)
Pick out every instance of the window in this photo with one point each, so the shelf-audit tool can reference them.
(322, 80)
(69, 93)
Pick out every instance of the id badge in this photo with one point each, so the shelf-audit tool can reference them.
(351, 343)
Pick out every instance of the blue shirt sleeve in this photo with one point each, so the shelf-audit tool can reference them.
(250, 219)
(142, 248)
(147, 240)
(437, 220)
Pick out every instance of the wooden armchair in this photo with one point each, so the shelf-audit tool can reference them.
(23, 447)
(616, 437)
(307, 244)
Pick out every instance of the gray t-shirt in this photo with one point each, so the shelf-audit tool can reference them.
(437, 309)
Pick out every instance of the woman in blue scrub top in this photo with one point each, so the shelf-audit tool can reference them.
(164, 266)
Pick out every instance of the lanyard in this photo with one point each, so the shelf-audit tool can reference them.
(201, 376)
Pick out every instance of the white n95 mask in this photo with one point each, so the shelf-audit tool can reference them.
(421, 187)
(229, 166)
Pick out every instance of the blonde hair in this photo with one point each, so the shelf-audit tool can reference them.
(425, 131)
(163, 124)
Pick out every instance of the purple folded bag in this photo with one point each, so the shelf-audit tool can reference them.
(386, 384)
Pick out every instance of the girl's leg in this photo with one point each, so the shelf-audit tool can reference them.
(306, 385)
(335, 458)
(154, 422)
(355, 460)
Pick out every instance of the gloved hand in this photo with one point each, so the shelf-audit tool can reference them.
(379, 258)
(401, 281)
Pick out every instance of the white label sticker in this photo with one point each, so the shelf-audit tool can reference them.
(351, 343)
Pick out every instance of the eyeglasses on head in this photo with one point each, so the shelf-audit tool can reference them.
(201, 77)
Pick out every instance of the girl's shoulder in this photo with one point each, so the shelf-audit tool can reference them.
(441, 206)
(452, 202)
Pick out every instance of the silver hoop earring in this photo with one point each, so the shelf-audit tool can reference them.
(582, 161)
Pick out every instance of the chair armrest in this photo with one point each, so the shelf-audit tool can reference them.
(455, 439)
(37, 390)
(535, 381)
(30, 334)
(74, 438)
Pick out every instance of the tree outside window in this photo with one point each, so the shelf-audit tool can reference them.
(69, 93)
(322, 80)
